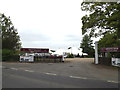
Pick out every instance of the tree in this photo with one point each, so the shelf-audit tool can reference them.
(109, 40)
(10, 37)
(86, 45)
(104, 17)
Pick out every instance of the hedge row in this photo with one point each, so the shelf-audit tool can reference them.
(8, 55)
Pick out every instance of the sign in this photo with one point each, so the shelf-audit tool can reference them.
(110, 49)
(116, 62)
(26, 58)
(35, 50)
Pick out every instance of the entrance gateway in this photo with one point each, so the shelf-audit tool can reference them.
(115, 61)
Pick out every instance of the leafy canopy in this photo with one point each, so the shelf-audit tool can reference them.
(10, 37)
(109, 40)
(86, 45)
(104, 17)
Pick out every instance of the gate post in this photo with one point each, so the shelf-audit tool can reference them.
(96, 52)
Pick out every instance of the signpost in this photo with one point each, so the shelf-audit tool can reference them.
(96, 53)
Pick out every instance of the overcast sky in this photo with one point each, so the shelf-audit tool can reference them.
(46, 23)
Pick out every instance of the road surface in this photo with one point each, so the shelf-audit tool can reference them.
(78, 73)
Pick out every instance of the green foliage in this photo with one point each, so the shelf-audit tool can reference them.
(9, 55)
(86, 45)
(109, 40)
(70, 56)
(104, 16)
(104, 19)
(6, 54)
(10, 37)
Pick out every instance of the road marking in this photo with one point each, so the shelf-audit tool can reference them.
(78, 77)
(50, 74)
(14, 68)
(112, 81)
(29, 71)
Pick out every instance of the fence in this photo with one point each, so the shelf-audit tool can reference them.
(48, 59)
(10, 58)
(105, 60)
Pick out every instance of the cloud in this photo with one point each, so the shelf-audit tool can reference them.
(45, 23)
(33, 36)
(73, 38)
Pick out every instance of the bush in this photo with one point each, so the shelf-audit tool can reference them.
(9, 55)
(6, 54)
(70, 56)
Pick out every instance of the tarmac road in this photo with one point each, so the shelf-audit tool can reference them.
(79, 73)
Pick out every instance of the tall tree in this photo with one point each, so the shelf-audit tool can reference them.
(86, 45)
(10, 37)
(104, 17)
(109, 40)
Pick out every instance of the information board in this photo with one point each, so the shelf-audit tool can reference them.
(110, 49)
(116, 62)
(35, 50)
(26, 58)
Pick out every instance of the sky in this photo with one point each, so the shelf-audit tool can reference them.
(49, 24)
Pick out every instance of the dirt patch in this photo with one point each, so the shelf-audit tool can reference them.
(91, 60)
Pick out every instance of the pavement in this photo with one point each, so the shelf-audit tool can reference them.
(73, 73)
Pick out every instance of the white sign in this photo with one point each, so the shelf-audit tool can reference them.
(116, 62)
(26, 58)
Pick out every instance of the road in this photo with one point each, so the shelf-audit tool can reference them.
(74, 74)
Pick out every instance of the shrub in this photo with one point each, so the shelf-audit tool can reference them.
(9, 55)
(70, 56)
